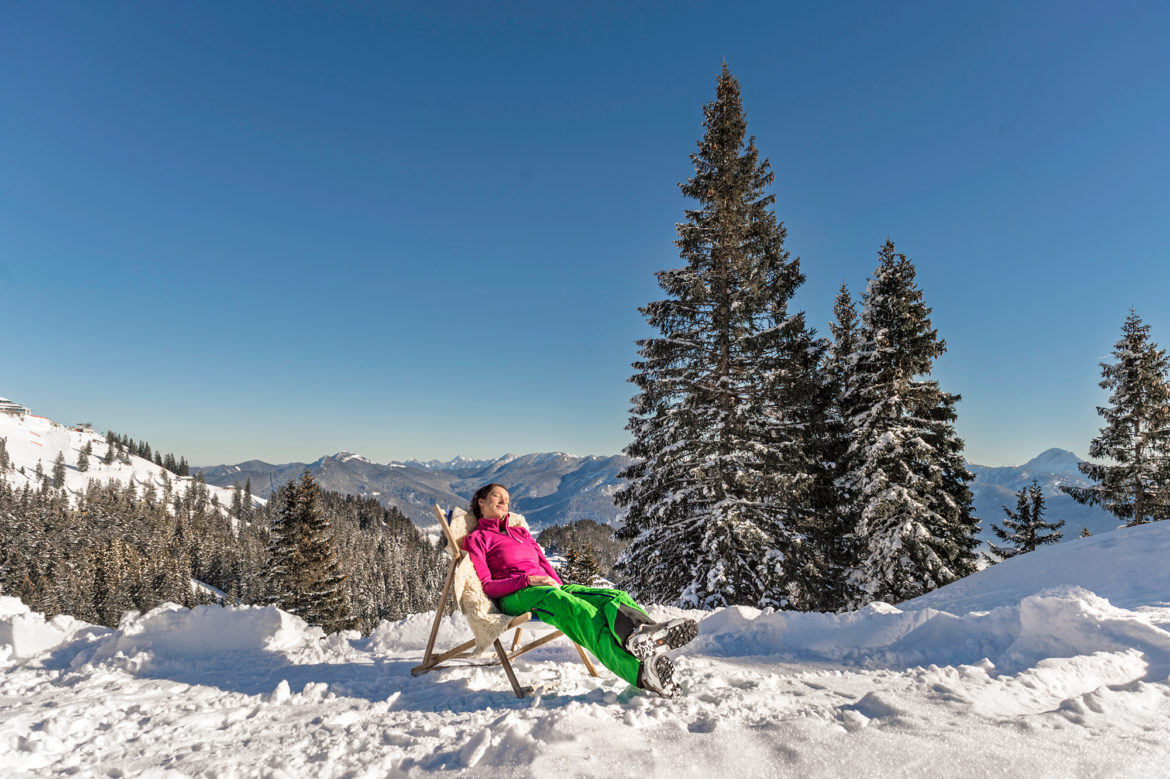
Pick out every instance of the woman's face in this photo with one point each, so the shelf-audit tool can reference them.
(495, 504)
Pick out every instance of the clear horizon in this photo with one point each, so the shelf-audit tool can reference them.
(272, 232)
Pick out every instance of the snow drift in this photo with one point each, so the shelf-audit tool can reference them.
(1053, 663)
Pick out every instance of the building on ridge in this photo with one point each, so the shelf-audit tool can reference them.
(13, 408)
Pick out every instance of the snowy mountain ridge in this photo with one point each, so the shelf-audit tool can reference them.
(32, 440)
(549, 488)
(996, 487)
(461, 463)
(1052, 468)
(552, 488)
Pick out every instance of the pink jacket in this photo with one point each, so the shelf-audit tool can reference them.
(504, 557)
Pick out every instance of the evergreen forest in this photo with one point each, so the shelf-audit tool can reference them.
(121, 547)
(772, 467)
(775, 468)
(591, 543)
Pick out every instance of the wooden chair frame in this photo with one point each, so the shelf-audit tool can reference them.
(433, 660)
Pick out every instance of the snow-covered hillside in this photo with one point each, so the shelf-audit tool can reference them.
(1054, 663)
(32, 439)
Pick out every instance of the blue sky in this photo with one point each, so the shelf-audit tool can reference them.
(281, 230)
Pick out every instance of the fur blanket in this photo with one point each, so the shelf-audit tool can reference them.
(486, 620)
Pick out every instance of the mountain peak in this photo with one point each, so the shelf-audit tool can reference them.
(1054, 461)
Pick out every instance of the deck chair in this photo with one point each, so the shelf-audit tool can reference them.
(487, 622)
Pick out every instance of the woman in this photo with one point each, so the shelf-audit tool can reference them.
(515, 573)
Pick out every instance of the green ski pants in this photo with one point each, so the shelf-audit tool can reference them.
(597, 619)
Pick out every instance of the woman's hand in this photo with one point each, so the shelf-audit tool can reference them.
(542, 581)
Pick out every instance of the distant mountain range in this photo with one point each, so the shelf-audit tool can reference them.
(550, 488)
(555, 488)
(995, 488)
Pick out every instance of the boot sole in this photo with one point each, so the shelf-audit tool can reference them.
(664, 674)
(675, 636)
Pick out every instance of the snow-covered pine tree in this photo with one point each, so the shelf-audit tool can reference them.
(237, 502)
(59, 471)
(171, 574)
(1025, 529)
(1135, 487)
(717, 474)
(842, 355)
(83, 456)
(4, 461)
(831, 537)
(795, 432)
(247, 507)
(909, 503)
(116, 568)
(581, 566)
(304, 578)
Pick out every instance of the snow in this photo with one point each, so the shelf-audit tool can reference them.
(1054, 663)
(31, 438)
(1112, 565)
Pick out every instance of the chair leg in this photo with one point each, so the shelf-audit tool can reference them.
(585, 659)
(439, 614)
(508, 670)
(434, 660)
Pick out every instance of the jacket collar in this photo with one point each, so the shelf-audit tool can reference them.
(495, 524)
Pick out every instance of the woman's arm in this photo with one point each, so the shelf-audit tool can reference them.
(544, 563)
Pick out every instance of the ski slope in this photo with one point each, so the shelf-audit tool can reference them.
(1055, 663)
(33, 439)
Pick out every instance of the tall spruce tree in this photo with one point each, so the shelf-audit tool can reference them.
(717, 481)
(909, 504)
(580, 566)
(59, 471)
(1024, 529)
(841, 358)
(115, 569)
(796, 434)
(1134, 483)
(833, 539)
(304, 577)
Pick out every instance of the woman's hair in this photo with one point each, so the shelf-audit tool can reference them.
(479, 495)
